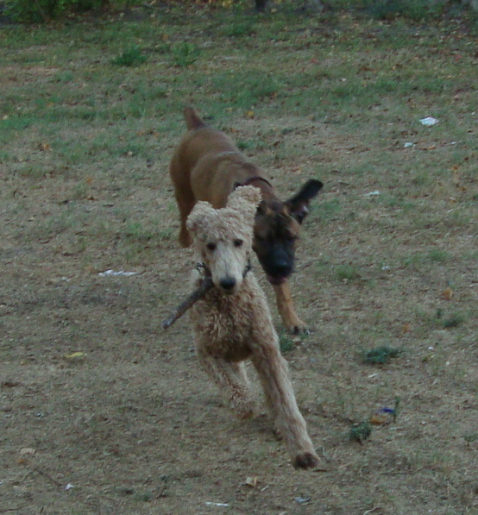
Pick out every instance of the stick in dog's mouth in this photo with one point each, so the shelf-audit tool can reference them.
(197, 294)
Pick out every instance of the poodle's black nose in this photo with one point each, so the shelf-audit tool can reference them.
(227, 283)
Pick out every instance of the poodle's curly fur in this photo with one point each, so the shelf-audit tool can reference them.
(232, 322)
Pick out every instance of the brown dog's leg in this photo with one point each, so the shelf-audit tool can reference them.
(286, 309)
(185, 205)
(184, 195)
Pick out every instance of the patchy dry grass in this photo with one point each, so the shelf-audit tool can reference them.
(388, 259)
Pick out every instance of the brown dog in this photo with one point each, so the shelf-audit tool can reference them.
(208, 166)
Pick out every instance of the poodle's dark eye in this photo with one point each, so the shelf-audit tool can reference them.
(238, 243)
(211, 246)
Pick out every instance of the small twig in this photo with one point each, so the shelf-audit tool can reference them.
(2, 510)
(205, 286)
(161, 493)
(371, 511)
(42, 473)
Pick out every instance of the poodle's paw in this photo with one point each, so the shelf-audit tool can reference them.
(306, 460)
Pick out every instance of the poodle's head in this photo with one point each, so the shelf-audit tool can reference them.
(223, 237)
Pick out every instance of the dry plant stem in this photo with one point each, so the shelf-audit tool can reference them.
(44, 474)
(206, 285)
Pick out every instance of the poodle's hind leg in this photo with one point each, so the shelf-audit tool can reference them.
(231, 378)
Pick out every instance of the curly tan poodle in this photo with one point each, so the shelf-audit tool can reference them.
(232, 322)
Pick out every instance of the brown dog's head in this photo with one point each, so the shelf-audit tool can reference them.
(276, 231)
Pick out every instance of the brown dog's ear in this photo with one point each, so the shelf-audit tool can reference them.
(196, 217)
(299, 204)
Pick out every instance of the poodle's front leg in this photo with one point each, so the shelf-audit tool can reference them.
(273, 372)
(231, 378)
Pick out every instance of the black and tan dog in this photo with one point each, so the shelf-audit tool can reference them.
(208, 166)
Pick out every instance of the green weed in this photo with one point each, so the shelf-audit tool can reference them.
(346, 273)
(131, 56)
(380, 355)
(453, 320)
(185, 54)
(253, 144)
(240, 29)
(143, 496)
(360, 432)
(286, 343)
(438, 256)
(470, 437)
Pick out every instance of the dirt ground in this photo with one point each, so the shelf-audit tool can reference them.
(131, 425)
(103, 412)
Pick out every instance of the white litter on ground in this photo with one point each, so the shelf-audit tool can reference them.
(372, 194)
(428, 121)
(114, 273)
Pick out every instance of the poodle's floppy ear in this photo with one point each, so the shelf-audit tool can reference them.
(245, 199)
(196, 217)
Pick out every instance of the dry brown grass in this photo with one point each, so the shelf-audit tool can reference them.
(131, 422)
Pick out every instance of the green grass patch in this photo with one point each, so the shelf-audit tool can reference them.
(185, 54)
(360, 432)
(131, 56)
(452, 321)
(380, 355)
(346, 273)
(286, 343)
(328, 209)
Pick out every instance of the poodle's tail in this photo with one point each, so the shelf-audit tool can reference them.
(193, 120)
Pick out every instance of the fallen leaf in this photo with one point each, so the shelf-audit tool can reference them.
(75, 356)
(252, 482)
(447, 294)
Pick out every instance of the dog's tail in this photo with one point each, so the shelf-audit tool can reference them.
(193, 120)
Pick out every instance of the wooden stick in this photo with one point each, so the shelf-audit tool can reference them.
(205, 286)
